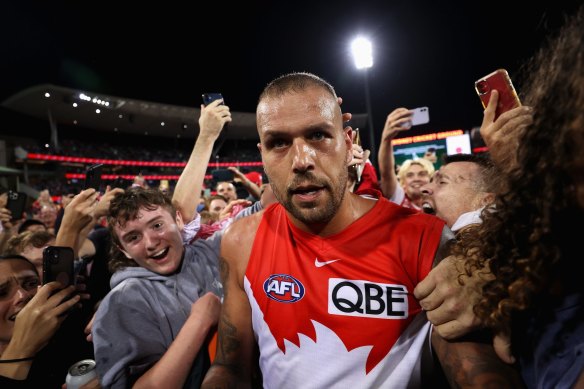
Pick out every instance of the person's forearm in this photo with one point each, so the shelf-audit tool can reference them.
(387, 168)
(17, 370)
(220, 376)
(189, 185)
(82, 244)
(67, 237)
(474, 364)
(253, 189)
(173, 368)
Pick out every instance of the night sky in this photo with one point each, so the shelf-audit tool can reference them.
(426, 53)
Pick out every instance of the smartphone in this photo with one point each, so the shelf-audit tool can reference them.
(421, 116)
(358, 168)
(357, 139)
(222, 175)
(93, 176)
(58, 265)
(500, 81)
(16, 204)
(208, 98)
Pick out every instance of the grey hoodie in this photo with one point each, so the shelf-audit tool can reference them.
(144, 312)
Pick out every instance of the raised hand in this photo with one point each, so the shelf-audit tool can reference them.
(40, 318)
(397, 121)
(213, 118)
(502, 135)
(448, 303)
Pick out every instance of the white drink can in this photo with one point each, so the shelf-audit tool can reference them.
(80, 373)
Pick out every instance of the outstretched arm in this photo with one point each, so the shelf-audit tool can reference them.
(234, 356)
(250, 186)
(396, 122)
(175, 365)
(189, 185)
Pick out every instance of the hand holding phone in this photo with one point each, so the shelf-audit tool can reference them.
(500, 81)
(420, 115)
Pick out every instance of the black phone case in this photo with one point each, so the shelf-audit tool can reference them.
(58, 265)
(208, 98)
(93, 177)
(16, 204)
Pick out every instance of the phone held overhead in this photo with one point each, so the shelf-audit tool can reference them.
(93, 176)
(208, 98)
(420, 115)
(500, 81)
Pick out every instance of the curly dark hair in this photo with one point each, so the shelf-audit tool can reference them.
(125, 207)
(531, 243)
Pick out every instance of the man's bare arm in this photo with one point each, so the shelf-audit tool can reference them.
(394, 124)
(233, 361)
(473, 363)
(189, 185)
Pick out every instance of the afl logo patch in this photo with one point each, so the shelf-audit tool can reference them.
(283, 288)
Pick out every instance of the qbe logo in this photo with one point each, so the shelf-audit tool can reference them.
(284, 288)
(367, 299)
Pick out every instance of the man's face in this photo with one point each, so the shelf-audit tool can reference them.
(153, 240)
(227, 190)
(415, 177)
(216, 206)
(18, 284)
(305, 152)
(453, 191)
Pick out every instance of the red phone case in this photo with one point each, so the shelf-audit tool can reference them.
(501, 82)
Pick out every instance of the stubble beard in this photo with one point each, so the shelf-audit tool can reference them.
(311, 212)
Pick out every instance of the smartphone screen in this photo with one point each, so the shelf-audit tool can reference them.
(93, 177)
(58, 265)
(16, 204)
(500, 81)
(208, 98)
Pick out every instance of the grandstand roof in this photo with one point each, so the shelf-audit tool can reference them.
(120, 114)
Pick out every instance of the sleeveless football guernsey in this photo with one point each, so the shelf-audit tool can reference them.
(339, 312)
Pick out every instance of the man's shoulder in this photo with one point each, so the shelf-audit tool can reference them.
(244, 228)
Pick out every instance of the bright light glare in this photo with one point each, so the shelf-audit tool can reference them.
(362, 53)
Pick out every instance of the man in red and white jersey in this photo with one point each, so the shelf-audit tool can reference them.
(323, 280)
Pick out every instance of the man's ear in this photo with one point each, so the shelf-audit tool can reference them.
(259, 146)
(180, 221)
(487, 199)
(348, 134)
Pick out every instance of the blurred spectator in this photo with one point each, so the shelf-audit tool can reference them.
(32, 225)
(30, 244)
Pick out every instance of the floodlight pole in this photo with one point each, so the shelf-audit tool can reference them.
(372, 147)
